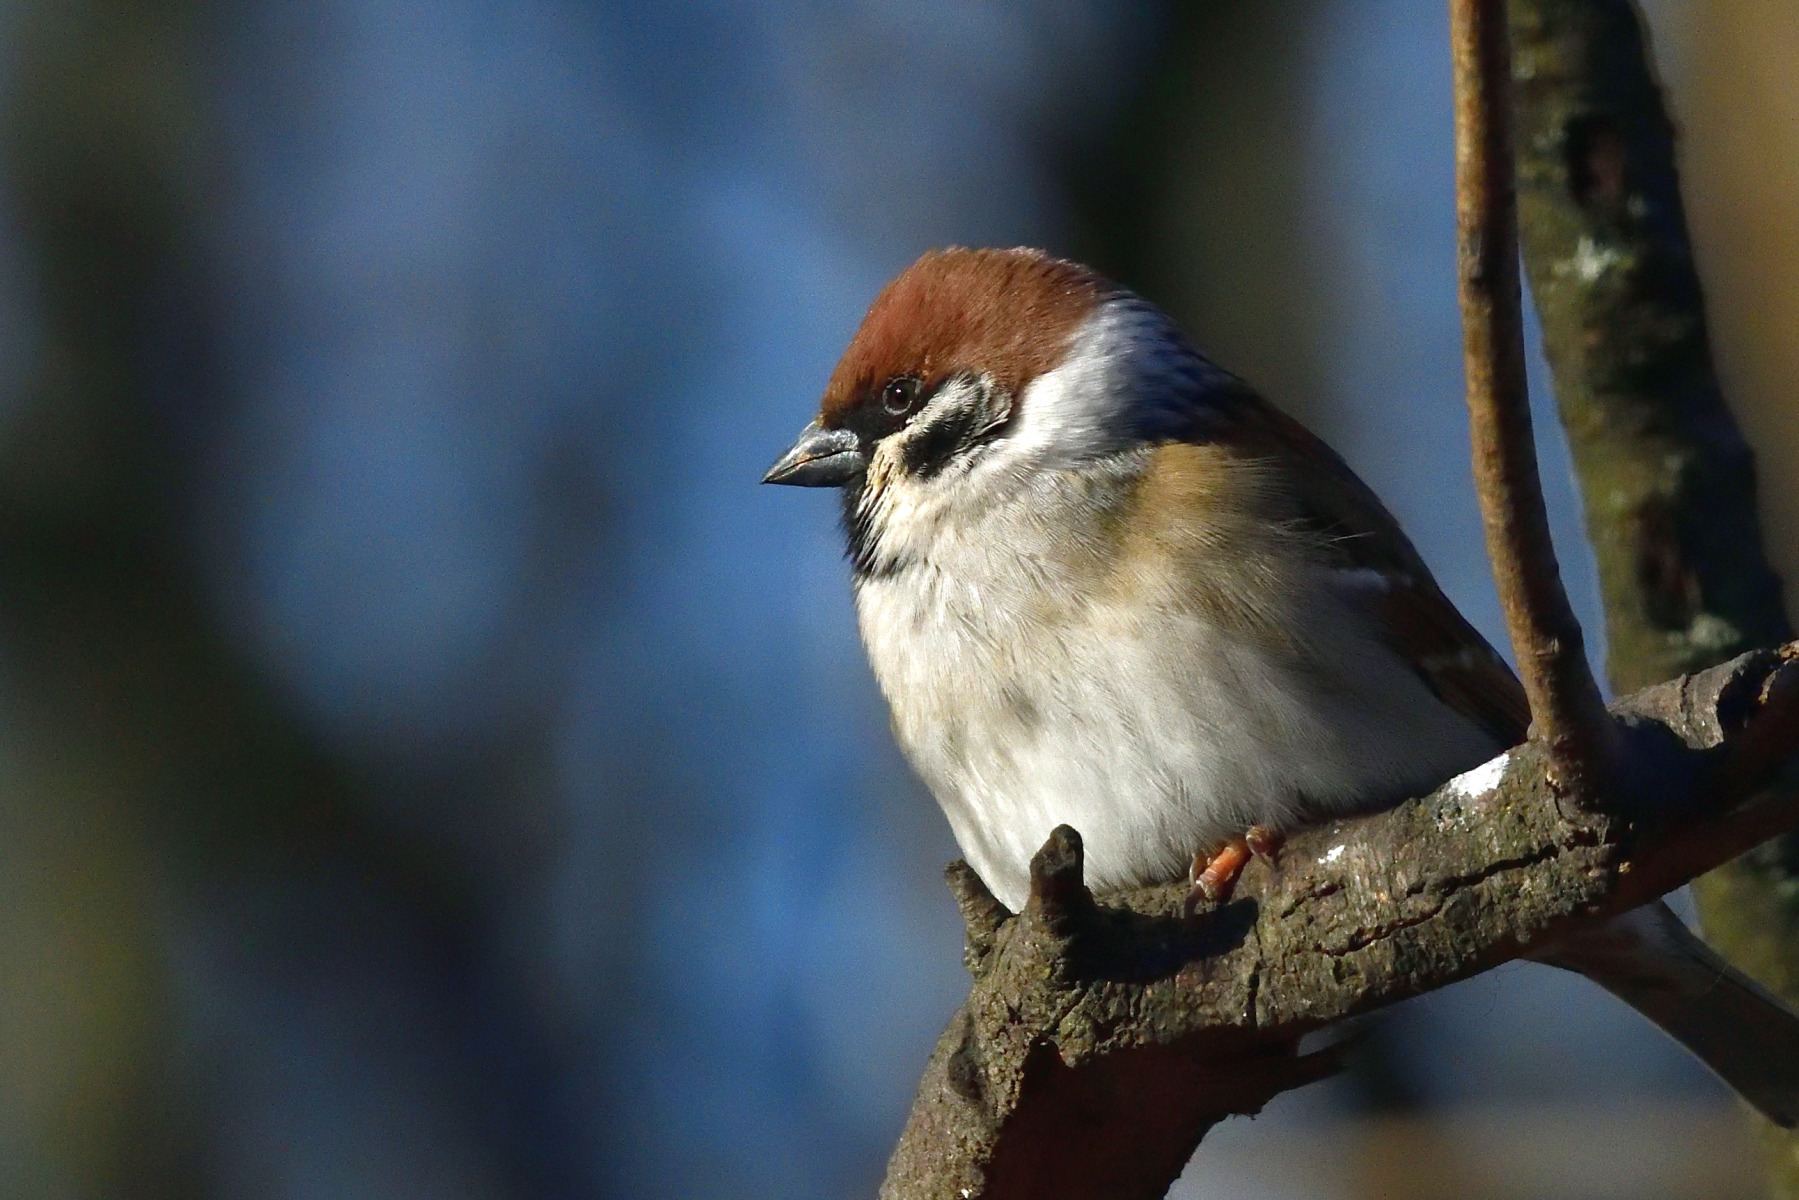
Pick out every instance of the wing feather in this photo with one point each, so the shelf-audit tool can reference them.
(1380, 564)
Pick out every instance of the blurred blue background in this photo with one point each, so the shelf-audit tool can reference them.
(432, 767)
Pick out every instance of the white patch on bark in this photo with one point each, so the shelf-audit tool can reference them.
(1472, 785)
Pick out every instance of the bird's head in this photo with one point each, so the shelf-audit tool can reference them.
(976, 369)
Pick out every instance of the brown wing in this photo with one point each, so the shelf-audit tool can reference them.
(1419, 622)
(1454, 661)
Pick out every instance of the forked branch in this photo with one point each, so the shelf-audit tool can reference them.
(1103, 1038)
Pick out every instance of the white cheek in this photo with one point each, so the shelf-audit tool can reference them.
(1064, 409)
(1126, 369)
(904, 515)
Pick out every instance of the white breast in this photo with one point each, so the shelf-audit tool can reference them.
(1025, 701)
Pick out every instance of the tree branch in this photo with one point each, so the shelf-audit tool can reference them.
(1102, 1040)
(1668, 479)
(1567, 711)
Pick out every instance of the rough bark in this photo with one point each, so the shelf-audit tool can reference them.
(1102, 1039)
(1668, 481)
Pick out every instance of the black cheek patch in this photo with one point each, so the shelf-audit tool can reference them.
(934, 446)
(860, 538)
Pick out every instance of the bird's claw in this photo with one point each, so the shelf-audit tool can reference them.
(1215, 874)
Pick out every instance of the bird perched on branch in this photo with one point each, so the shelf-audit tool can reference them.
(1103, 583)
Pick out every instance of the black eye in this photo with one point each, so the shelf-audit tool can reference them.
(899, 395)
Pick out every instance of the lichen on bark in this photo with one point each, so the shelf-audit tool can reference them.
(1668, 480)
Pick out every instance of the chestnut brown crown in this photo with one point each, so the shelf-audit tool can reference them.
(1008, 314)
(1005, 317)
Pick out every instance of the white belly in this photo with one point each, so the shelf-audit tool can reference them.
(1153, 734)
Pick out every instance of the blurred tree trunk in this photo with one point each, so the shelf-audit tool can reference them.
(1735, 94)
(96, 133)
(1193, 198)
(149, 773)
(1668, 480)
(1728, 68)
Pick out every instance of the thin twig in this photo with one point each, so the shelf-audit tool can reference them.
(1567, 711)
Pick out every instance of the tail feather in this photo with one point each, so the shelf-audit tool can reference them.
(1652, 962)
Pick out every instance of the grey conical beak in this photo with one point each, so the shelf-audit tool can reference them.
(821, 458)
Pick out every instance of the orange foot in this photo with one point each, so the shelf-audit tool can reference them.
(1214, 875)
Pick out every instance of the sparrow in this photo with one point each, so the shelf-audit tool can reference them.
(1103, 583)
